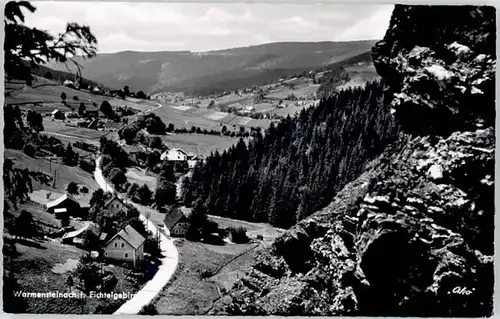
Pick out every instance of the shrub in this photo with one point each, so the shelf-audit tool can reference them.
(72, 188)
(238, 235)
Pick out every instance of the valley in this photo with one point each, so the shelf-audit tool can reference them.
(328, 178)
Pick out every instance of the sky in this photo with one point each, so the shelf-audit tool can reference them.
(121, 26)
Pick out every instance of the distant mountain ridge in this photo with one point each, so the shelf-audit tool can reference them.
(197, 71)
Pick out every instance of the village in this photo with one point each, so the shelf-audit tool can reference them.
(106, 204)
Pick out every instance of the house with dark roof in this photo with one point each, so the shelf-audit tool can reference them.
(176, 221)
(65, 204)
(127, 245)
(115, 206)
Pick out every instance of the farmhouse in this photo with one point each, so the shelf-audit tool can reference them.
(174, 154)
(177, 221)
(115, 205)
(64, 204)
(127, 245)
(236, 106)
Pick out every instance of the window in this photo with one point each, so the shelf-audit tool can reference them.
(123, 245)
(116, 245)
(125, 255)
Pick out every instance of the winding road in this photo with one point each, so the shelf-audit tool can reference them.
(168, 262)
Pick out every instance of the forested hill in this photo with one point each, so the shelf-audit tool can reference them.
(298, 165)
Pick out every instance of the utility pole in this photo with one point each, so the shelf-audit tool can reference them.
(55, 177)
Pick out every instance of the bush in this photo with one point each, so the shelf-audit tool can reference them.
(29, 150)
(75, 98)
(238, 235)
(72, 188)
(148, 309)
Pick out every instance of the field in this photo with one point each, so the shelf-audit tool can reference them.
(206, 270)
(49, 94)
(138, 175)
(42, 266)
(187, 116)
(200, 144)
(140, 105)
(300, 91)
(359, 75)
(62, 131)
(64, 174)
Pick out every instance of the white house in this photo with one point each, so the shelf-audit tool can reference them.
(127, 245)
(174, 154)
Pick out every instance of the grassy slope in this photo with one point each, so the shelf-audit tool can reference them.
(33, 268)
(49, 93)
(65, 174)
(188, 293)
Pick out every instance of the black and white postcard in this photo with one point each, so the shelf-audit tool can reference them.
(249, 158)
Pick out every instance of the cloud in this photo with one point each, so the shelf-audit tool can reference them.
(207, 26)
(373, 27)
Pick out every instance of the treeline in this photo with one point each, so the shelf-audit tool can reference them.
(298, 166)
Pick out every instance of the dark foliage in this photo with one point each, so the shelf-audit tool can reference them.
(35, 120)
(72, 188)
(25, 48)
(107, 110)
(299, 165)
(238, 235)
(70, 157)
(165, 186)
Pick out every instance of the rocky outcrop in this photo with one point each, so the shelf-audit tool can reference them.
(413, 235)
(439, 62)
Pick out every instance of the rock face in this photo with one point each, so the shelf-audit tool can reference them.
(413, 235)
(439, 62)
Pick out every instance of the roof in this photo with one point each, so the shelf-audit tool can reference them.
(76, 233)
(173, 217)
(130, 235)
(111, 200)
(103, 236)
(167, 154)
(178, 150)
(60, 200)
